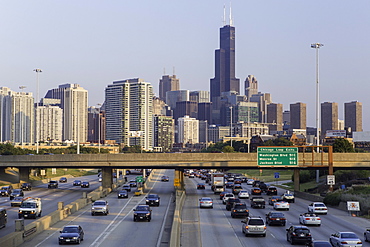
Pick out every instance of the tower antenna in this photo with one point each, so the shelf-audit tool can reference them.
(224, 20)
(164, 70)
(173, 70)
(230, 17)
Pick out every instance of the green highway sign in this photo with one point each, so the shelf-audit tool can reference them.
(139, 179)
(277, 156)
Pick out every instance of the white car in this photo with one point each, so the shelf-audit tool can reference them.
(283, 205)
(317, 208)
(345, 239)
(205, 202)
(243, 194)
(250, 181)
(309, 219)
(367, 234)
(227, 196)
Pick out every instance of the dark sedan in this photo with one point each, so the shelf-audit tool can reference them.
(77, 183)
(63, 180)
(71, 234)
(85, 185)
(26, 186)
(16, 193)
(122, 194)
(201, 186)
(275, 218)
(153, 200)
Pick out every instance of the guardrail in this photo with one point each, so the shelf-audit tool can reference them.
(176, 224)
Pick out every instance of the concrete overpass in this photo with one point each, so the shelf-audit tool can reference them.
(178, 161)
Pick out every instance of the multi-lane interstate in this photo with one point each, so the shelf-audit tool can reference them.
(216, 227)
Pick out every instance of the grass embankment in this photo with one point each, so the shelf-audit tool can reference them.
(63, 172)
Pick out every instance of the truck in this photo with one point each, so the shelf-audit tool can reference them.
(30, 208)
(218, 182)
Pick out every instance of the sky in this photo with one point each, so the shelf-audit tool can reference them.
(93, 43)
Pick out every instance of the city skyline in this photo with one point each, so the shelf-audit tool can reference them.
(91, 47)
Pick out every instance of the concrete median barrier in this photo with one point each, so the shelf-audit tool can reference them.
(176, 224)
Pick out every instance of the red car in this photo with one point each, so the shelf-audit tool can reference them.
(201, 186)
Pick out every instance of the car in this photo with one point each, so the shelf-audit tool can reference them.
(206, 202)
(153, 200)
(237, 188)
(271, 190)
(345, 239)
(77, 183)
(126, 187)
(222, 194)
(256, 191)
(71, 234)
(239, 209)
(275, 218)
(274, 199)
(133, 183)
(243, 194)
(100, 207)
(256, 183)
(227, 196)
(201, 186)
(258, 202)
(309, 219)
(3, 217)
(63, 180)
(229, 184)
(165, 179)
(85, 185)
(138, 192)
(16, 193)
(100, 179)
(317, 208)
(122, 194)
(142, 212)
(283, 205)
(191, 175)
(250, 181)
(230, 203)
(298, 234)
(319, 243)
(53, 184)
(237, 181)
(254, 225)
(367, 234)
(288, 197)
(26, 186)
(6, 190)
(17, 201)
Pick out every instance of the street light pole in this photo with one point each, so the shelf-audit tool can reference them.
(37, 106)
(317, 47)
(231, 126)
(99, 125)
(21, 113)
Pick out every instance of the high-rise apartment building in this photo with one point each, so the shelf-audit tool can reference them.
(224, 80)
(73, 101)
(166, 84)
(329, 117)
(275, 117)
(163, 133)
(49, 118)
(188, 130)
(17, 116)
(298, 116)
(353, 116)
(96, 125)
(251, 86)
(129, 110)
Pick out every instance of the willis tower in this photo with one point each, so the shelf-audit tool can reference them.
(224, 80)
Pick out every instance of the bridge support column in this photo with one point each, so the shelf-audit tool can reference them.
(179, 180)
(107, 177)
(296, 180)
(24, 175)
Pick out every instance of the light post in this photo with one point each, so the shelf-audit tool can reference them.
(21, 114)
(231, 126)
(99, 125)
(317, 47)
(38, 71)
(78, 132)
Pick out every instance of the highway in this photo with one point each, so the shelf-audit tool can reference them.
(118, 228)
(66, 192)
(215, 227)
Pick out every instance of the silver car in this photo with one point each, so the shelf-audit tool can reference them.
(100, 207)
(205, 202)
(254, 225)
(345, 239)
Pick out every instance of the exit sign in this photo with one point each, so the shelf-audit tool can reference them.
(277, 156)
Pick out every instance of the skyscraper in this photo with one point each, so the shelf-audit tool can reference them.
(275, 117)
(163, 133)
(224, 80)
(353, 116)
(188, 130)
(251, 86)
(263, 100)
(329, 117)
(129, 110)
(298, 116)
(73, 101)
(168, 83)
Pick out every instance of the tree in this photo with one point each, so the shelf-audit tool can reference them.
(281, 141)
(228, 149)
(342, 145)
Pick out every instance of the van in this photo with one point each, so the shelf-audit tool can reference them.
(3, 217)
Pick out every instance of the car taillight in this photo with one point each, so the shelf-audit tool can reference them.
(246, 227)
(264, 227)
(234, 210)
(318, 219)
(343, 242)
(307, 218)
(201, 202)
(308, 234)
(359, 242)
(294, 234)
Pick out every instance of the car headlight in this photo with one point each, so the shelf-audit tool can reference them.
(148, 214)
(75, 237)
(61, 238)
(92, 208)
(156, 200)
(20, 211)
(147, 200)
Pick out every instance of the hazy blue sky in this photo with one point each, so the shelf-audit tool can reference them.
(93, 43)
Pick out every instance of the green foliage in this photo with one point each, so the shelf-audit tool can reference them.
(305, 176)
(133, 149)
(281, 141)
(342, 145)
(333, 199)
(227, 149)
(347, 175)
(9, 149)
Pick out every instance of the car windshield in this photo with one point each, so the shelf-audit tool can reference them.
(277, 215)
(4, 188)
(28, 205)
(152, 196)
(319, 205)
(348, 235)
(141, 208)
(240, 206)
(255, 222)
(17, 191)
(243, 191)
(305, 231)
(288, 195)
(99, 203)
(123, 191)
(77, 181)
(70, 230)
